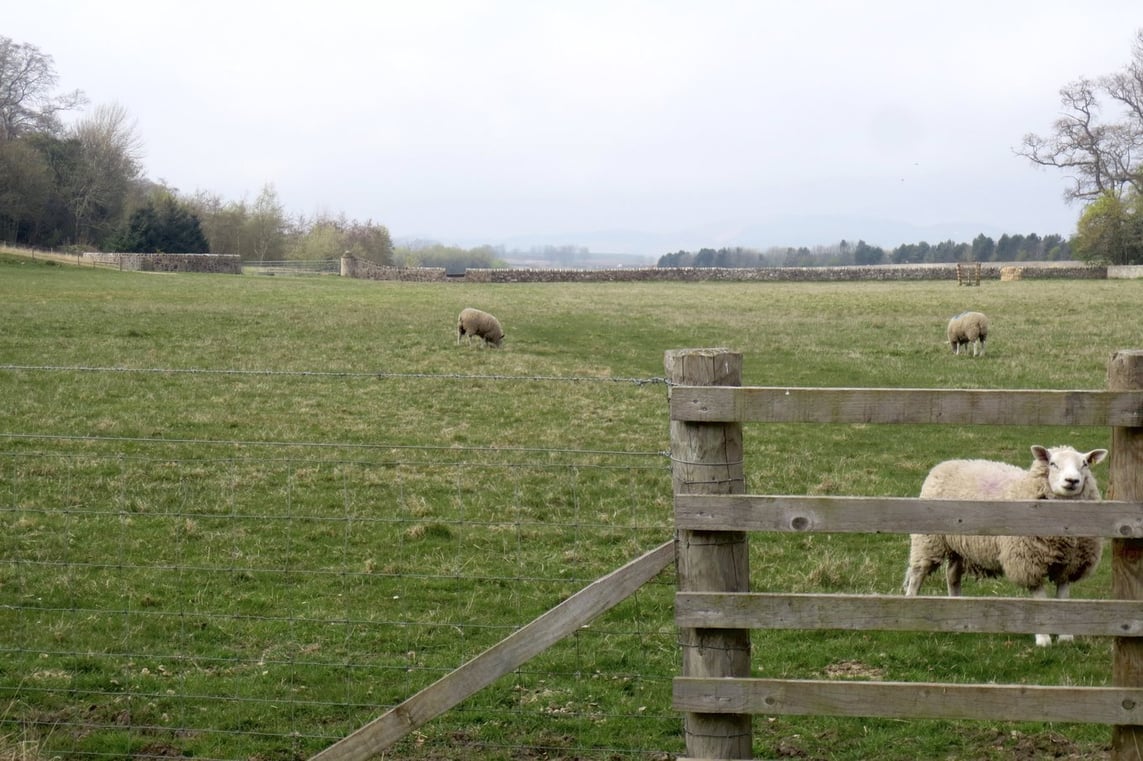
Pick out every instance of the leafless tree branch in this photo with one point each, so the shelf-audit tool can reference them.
(27, 103)
(1099, 156)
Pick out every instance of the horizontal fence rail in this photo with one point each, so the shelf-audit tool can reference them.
(991, 615)
(911, 700)
(759, 404)
(899, 515)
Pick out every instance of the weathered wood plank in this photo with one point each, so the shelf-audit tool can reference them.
(706, 458)
(1125, 481)
(910, 700)
(903, 515)
(500, 659)
(760, 404)
(998, 615)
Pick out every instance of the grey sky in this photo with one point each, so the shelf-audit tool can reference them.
(473, 122)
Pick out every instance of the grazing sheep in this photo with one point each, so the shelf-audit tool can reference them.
(968, 328)
(1056, 473)
(473, 322)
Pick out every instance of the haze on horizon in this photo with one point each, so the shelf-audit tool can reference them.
(593, 123)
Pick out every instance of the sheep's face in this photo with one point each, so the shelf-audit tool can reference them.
(1068, 470)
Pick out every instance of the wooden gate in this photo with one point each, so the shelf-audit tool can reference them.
(715, 609)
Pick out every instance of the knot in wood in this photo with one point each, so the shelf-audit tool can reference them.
(800, 523)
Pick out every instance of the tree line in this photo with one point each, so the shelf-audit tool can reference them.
(83, 187)
(1008, 248)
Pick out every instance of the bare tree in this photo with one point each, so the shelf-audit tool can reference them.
(112, 153)
(266, 226)
(1127, 86)
(109, 133)
(1100, 157)
(222, 222)
(27, 104)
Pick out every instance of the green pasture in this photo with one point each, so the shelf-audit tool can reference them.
(242, 516)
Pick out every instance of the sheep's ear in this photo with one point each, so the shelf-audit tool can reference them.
(1095, 456)
(1040, 453)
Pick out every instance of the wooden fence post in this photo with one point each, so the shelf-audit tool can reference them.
(1125, 373)
(706, 458)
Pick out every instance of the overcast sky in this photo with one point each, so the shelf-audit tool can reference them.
(471, 122)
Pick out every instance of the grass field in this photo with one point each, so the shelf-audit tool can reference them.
(242, 516)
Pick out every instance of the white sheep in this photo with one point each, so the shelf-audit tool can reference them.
(473, 322)
(968, 328)
(1056, 473)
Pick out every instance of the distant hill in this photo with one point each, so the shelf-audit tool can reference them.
(628, 247)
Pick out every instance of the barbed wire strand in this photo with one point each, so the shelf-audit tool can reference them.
(330, 374)
(327, 445)
(136, 615)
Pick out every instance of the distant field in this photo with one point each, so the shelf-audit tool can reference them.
(244, 515)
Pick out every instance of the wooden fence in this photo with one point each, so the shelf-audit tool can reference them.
(716, 611)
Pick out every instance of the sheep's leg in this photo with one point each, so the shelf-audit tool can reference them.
(913, 579)
(916, 574)
(1039, 593)
(1062, 593)
(954, 572)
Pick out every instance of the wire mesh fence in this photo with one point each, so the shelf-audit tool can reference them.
(238, 599)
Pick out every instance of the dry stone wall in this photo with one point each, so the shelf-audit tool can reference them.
(701, 274)
(366, 270)
(1125, 271)
(358, 268)
(216, 263)
(363, 269)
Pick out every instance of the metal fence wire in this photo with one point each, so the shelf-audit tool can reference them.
(262, 600)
